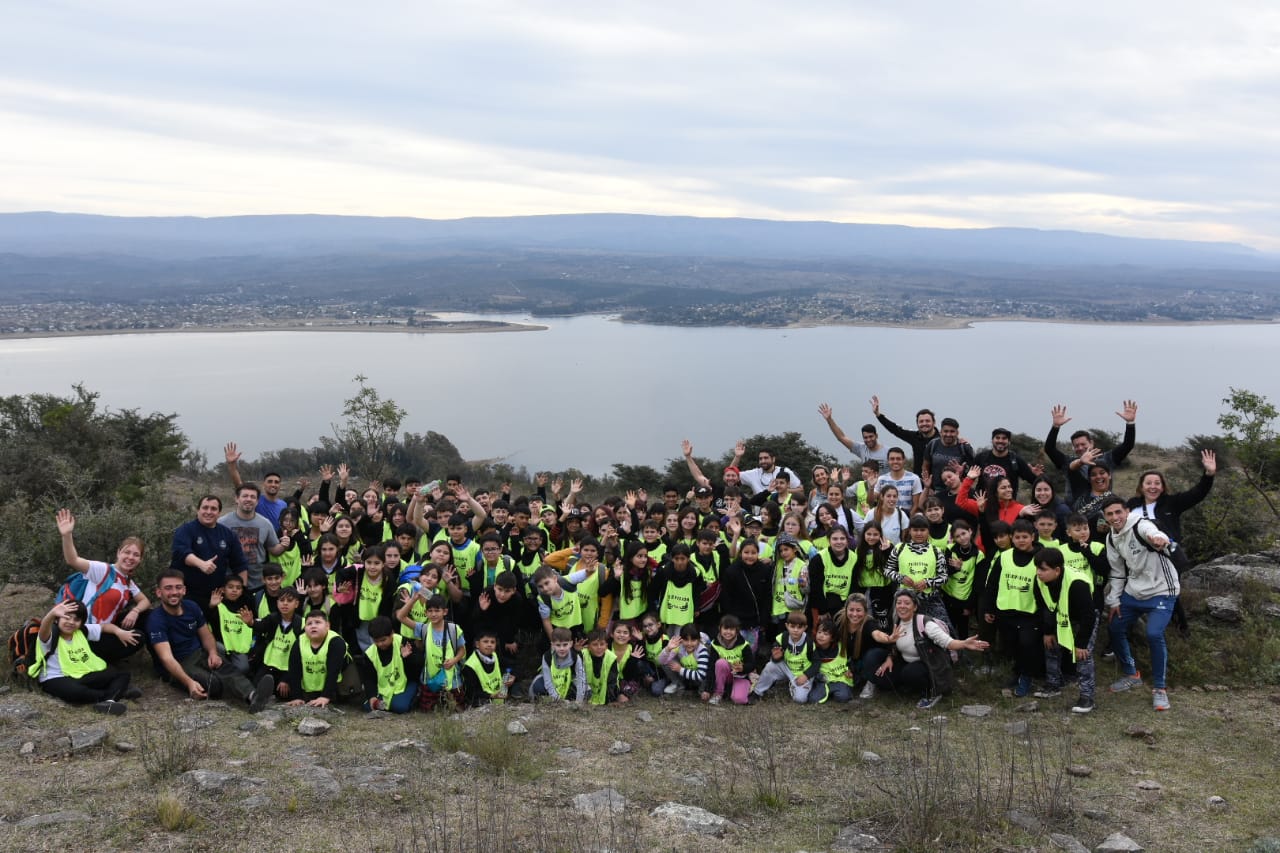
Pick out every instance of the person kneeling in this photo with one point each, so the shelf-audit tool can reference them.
(792, 660)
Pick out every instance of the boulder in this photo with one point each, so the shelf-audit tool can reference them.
(692, 819)
(976, 710)
(605, 800)
(1067, 842)
(1224, 608)
(852, 838)
(515, 727)
(216, 782)
(88, 738)
(1232, 570)
(1118, 842)
(619, 747)
(311, 727)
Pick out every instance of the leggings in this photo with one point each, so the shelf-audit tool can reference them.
(92, 687)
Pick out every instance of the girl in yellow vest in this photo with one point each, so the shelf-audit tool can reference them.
(67, 669)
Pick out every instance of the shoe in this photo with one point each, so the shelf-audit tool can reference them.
(1083, 706)
(1108, 655)
(261, 694)
(868, 691)
(928, 702)
(1160, 699)
(714, 700)
(1023, 687)
(1048, 692)
(375, 704)
(132, 693)
(1126, 682)
(671, 688)
(214, 688)
(110, 707)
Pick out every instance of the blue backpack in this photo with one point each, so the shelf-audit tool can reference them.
(76, 587)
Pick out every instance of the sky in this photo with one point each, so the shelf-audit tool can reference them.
(1130, 118)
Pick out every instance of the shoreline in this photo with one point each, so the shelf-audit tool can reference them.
(460, 327)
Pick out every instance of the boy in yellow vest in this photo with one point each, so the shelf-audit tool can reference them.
(275, 636)
(1065, 603)
(444, 648)
(563, 675)
(388, 687)
(316, 664)
(601, 665)
(230, 617)
(483, 679)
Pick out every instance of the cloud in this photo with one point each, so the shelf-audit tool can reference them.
(1134, 118)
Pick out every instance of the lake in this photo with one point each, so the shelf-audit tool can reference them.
(589, 391)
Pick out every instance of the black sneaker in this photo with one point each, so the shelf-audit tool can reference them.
(1049, 691)
(110, 707)
(261, 694)
(1084, 706)
(132, 693)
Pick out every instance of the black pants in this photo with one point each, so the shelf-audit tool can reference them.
(903, 678)
(1023, 636)
(93, 687)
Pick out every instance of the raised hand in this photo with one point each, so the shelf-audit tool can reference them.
(540, 479)
(326, 472)
(630, 499)
(344, 471)
(825, 411)
(67, 521)
(642, 495)
(575, 487)
(556, 485)
(232, 453)
(686, 447)
(1129, 413)
(1208, 459)
(1060, 415)
(739, 447)
(875, 405)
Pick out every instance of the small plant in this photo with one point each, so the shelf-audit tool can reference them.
(167, 752)
(502, 754)
(174, 815)
(447, 735)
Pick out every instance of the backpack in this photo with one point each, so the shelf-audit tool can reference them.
(22, 648)
(936, 658)
(76, 588)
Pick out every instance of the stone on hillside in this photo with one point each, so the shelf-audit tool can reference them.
(1271, 611)
(600, 802)
(1118, 842)
(1066, 842)
(515, 727)
(1224, 608)
(216, 782)
(852, 838)
(28, 748)
(1024, 821)
(188, 723)
(644, 716)
(17, 713)
(374, 778)
(125, 746)
(1216, 803)
(466, 759)
(82, 739)
(321, 781)
(1017, 729)
(692, 818)
(51, 819)
(1028, 707)
(1149, 785)
(1080, 771)
(1138, 731)
(869, 757)
(619, 747)
(406, 743)
(311, 727)
(1234, 570)
(976, 710)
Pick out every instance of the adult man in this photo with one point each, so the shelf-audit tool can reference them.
(759, 479)
(257, 535)
(183, 645)
(731, 476)
(1000, 461)
(869, 448)
(923, 434)
(909, 486)
(206, 551)
(1144, 581)
(944, 451)
(270, 504)
(1087, 454)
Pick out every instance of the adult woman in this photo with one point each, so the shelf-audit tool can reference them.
(888, 517)
(896, 663)
(1045, 497)
(110, 594)
(850, 520)
(818, 493)
(996, 503)
(853, 630)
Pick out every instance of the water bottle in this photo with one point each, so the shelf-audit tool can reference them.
(507, 680)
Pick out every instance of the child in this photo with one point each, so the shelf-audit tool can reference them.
(792, 660)
(563, 675)
(388, 687)
(1047, 529)
(790, 579)
(374, 589)
(835, 679)
(1011, 605)
(939, 530)
(631, 663)
(1070, 625)
(444, 649)
(730, 666)
(601, 665)
(962, 560)
(676, 588)
(315, 589)
(686, 659)
(483, 679)
(275, 637)
(654, 640)
(264, 600)
(871, 556)
(316, 663)
(231, 620)
(66, 668)
(500, 610)
(558, 603)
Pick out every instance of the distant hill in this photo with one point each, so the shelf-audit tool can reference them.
(46, 234)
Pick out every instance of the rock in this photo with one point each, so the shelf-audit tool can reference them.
(193, 722)
(256, 801)
(17, 713)
(1066, 842)
(1028, 707)
(373, 778)
(600, 802)
(28, 748)
(644, 716)
(939, 720)
(4, 688)
(52, 819)
(1216, 688)
(1216, 804)
(321, 781)
(569, 752)
(695, 780)
(1149, 785)
(1265, 844)
(976, 710)
(1024, 821)
(1138, 731)
(1271, 611)
(1233, 569)
(692, 818)
(515, 727)
(248, 726)
(1224, 608)
(1094, 814)
(853, 838)
(466, 759)
(1118, 842)
(1017, 729)
(1080, 771)
(619, 747)
(312, 727)
(215, 782)
(87, 738)
(406, 743)
(869, 757)
(125, 746)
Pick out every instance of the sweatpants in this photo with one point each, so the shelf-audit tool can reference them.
(737, 687)
(775, 672)
(1084, 668)
(90, 688)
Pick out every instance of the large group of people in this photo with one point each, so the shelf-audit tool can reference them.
(411, 595)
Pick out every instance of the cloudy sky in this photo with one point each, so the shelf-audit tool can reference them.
(1131, 118)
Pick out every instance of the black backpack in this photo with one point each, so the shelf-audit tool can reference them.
(23, 644)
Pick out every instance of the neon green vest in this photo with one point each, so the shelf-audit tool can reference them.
(315, 664)
(868, 575)
(730, 656)
(562, 676)
(567, 612)
(74, 656)
(437, 655)
(391, 677)
(237, 637)
(1015, 584)
(368, 599)
(941, 542)
(836, 580)
(786, 576)
(653, 648)
(490, 679)
(280, 646)
(631, 599)
(677, 604)
(917, 567)
(1061, 615)
(589, 599)
(797, 662)
(709, 573)
(599, 684)
(959, 583)
(834, 670)
(1077, 567)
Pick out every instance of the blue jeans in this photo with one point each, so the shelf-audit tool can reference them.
(1159, 610)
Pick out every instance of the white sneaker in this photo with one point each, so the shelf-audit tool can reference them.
(671, 688)
(714, 700)
(868, 691)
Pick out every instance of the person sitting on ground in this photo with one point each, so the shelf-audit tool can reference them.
(791, 659)
(66, 667)
(110, 594)
(316, 663)
(563, 676)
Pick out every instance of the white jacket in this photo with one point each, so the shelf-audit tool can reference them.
(1136, 568)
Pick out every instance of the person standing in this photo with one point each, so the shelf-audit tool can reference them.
(206, 552)
(869, 448)
(270, 504)
(1087, 455)
(256, 533)
(924, 432)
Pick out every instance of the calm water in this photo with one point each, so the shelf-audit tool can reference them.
(589, 392)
